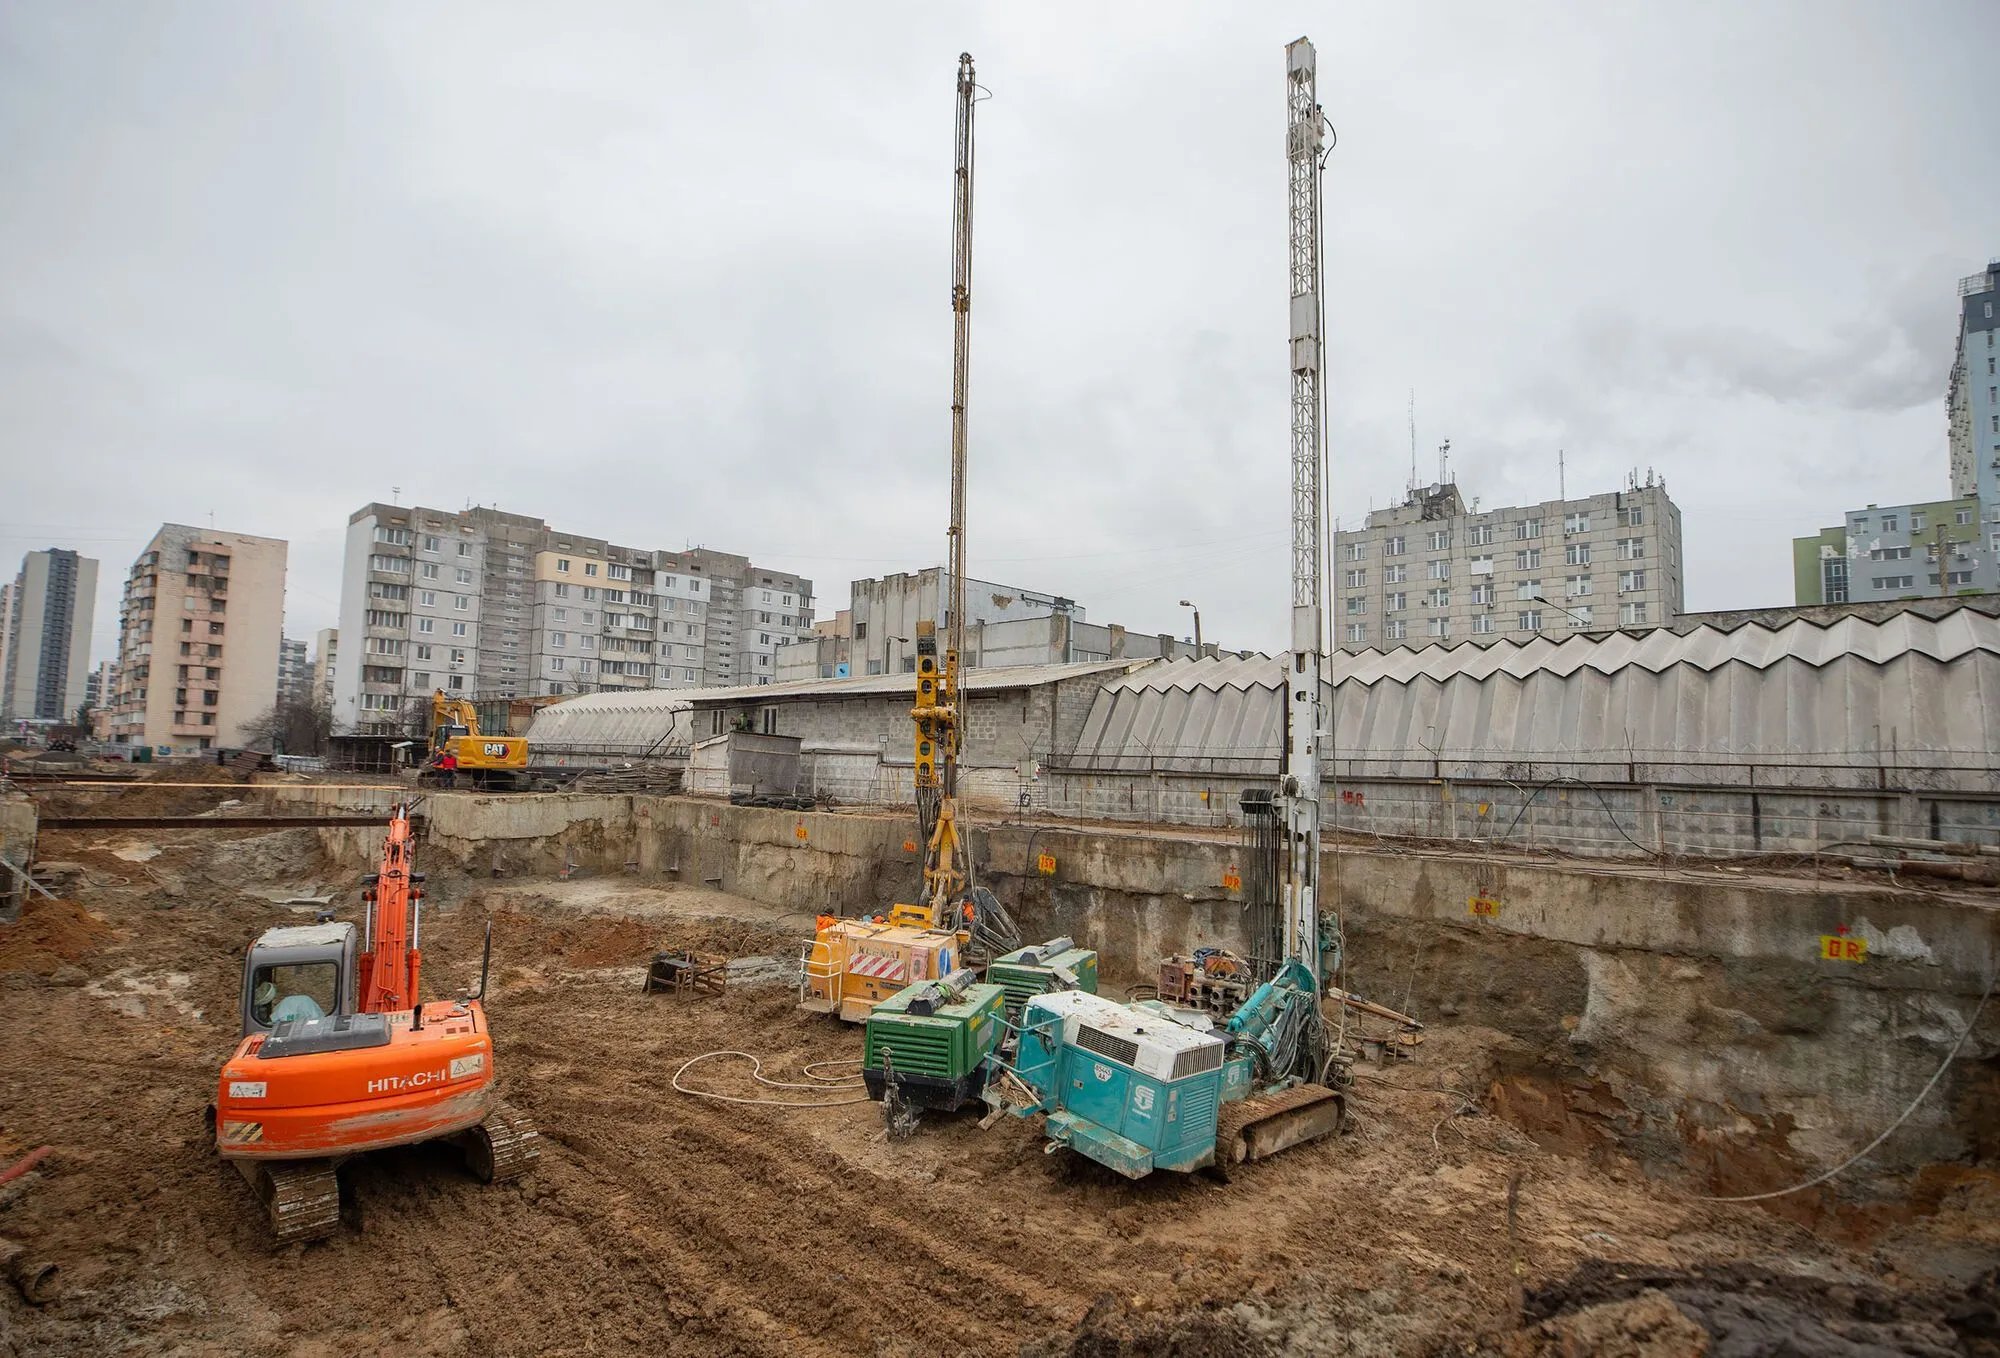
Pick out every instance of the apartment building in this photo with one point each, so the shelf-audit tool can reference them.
(489, 605)
(1928, 549)
(199, 635)
(45, 622)
(294, 673)
(326, 651)
(1432, 571)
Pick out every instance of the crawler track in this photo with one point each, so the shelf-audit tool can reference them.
(505, 1146)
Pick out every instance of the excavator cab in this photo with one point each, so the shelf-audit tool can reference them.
(298, 972)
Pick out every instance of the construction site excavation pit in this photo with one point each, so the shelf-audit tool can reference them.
(1620, 1045)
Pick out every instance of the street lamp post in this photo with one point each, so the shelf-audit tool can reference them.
(1197, 627)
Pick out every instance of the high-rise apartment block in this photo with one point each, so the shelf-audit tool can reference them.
(198, 642)
(485, 604)
(1928, 549)
(45, 620)
(294, 673)
(1431, 571)
(326, 653)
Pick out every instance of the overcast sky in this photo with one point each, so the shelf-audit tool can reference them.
(678, 274)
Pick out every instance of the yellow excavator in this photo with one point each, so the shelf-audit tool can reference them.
(459, 750)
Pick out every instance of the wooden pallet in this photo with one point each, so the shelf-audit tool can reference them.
(685, 973)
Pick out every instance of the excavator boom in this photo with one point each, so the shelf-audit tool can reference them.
(390, 964)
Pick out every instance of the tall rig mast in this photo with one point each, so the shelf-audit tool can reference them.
(939, 732)
(1299, 787)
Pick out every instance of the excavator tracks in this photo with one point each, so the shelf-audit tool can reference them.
(504, 1146)
(302, 1197)
(1252, 1128)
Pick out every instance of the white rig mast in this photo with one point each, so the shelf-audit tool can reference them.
(1299, 785)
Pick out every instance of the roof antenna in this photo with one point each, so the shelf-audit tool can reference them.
(1562, 477)
(1444, 462)
(1413, 440)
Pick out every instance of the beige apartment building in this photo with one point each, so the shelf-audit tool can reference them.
(1433, 571)
(199, 635)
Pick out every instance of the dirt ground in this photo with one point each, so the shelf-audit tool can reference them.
(662, 1223)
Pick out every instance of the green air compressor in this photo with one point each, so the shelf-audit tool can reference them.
(1040, 968)
(933, 1036)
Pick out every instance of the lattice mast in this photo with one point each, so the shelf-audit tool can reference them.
(1299, 787)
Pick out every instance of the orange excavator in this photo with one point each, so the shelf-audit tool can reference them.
(339, 1056)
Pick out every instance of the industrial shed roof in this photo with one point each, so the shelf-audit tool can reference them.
(660, 716)
(1856, 691)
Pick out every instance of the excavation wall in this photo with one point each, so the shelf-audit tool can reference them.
(1750, 1027)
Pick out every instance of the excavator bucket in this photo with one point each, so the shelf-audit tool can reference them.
(1263, 1125)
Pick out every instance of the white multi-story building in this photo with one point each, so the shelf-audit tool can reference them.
(484, 604)
(1431, 571)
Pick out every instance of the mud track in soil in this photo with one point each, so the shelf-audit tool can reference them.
(658, 1223)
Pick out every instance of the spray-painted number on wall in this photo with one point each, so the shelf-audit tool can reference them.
(1045, 864)
(1839, 948)
(1232, 880)
(1483, 906)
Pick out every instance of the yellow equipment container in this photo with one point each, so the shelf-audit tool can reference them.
(855, 964)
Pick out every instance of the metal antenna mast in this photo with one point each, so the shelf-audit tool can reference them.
(1299, 788)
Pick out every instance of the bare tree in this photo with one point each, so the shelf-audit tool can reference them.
(294, 726)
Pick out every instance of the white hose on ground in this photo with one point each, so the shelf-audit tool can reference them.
(1922, 1094)
(824, 1084)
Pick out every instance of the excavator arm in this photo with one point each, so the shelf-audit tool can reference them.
(391, 965)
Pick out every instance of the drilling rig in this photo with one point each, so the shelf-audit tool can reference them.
(855, 964)
(1144, 1086)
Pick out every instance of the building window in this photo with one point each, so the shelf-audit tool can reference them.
(1393, 547)
(1440, 540)
(1631, 580)
(215, 629)
(1357, 551)
(1890, 523)
(1576, 523)
(1893, 582)
(618, 572)
(395, 537)
(1357, 579)
(393, 565)
(458, 629)
(1918, 521)
(1395, 575)
(1479, 534)
(423, 653)
(421, 678)
(556, 662)
(1480, 565)
(427, 597)
(1528, 528)
(1528, 560)
(559, 640)
(1395, 602)
(426, 625)
(1482, 594)
(1356, 605)
(1528, 589)
(1530, 620)
(590, 568)
(428, 570)
(1634, 549)
(1576, 586)
(1630, 615)
(1577, 554)
(1889, 554)
(1441, 569)
(1964, 517)
(1357, 633)
(1440, 598)
(465, 549)
(589, 593)
(1631, 516)
(1440, 627)
(431, 544)
(1579, 617)
(460, 602)
(1392, 630)
(1483, 623)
